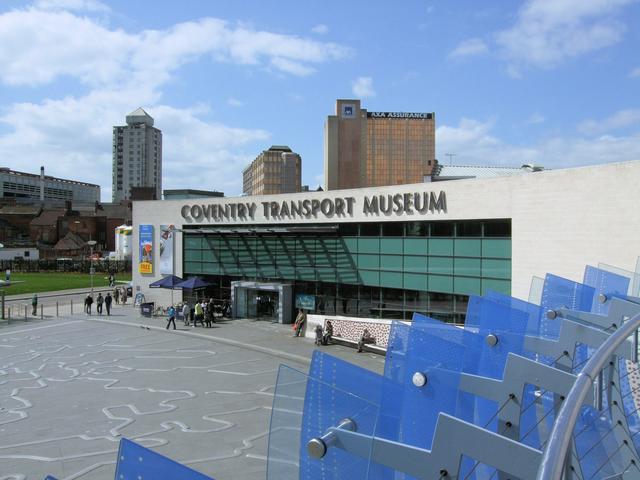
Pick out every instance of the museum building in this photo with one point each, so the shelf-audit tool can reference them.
(386, 252)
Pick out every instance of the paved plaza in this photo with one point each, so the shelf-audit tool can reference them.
(71, 387)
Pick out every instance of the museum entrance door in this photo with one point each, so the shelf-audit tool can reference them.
(263, 301)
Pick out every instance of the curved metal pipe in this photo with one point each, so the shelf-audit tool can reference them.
(555, 453)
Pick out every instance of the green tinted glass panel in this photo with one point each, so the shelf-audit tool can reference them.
(350, 244)
(192, 267)
(211, 269)
(391, 245)
(415, 281)
(348, 276)
(326, 275)
(497, 248)
(192, 255)
(368, 245)
(306, 274)
(391, 262)
(370, 277)
(441, 246)
(391, 279)
(414, 263)
(368, 261)
(192, 242)
(416, 246)
(496, 268)
(466, 286)
(467, 266)
(502, 286)
(441, 265)
(440, 283)
(286, 272)
(467, 247)
(209, 256)
(267, 271)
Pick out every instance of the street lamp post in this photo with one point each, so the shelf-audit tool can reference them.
(91, 244)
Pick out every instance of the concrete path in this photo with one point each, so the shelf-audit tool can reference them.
(71, 387)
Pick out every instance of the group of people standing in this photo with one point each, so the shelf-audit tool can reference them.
(203, 311)
(107, 300)
(323, 336)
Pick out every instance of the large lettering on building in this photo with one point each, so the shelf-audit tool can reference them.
(418, 203)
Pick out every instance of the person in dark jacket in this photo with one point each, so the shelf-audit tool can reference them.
(87, 303)
(34, 304)
(107, 303)
(328, 333)
(99, 302)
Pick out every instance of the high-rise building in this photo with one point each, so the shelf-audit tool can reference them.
(137, 156)
(277, 170)
(370, 149)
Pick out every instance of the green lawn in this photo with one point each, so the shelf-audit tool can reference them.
(46, 282)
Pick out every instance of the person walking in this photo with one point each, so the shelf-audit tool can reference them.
(171, 313)
(299, 323)
(199, 315)
(99, 302)
(185, 314)
(124, 295)
(111, 280)
(107, 302)
(34, 304)
(87, 304)
(7, 275)
(116, 295)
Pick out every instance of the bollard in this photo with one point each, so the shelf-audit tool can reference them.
(71, 307)
(41, 311)
(57, 312)
(25, 313)
(9, 312)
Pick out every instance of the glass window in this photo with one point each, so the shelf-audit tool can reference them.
(347, 299)
(469, 229)
(498, 228)
(393, 229)
(369, 229)
(442, 229)
(348, 229)
(416, 229)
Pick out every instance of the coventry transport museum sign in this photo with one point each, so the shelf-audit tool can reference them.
(419, 203)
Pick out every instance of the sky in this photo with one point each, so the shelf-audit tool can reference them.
(550, 82)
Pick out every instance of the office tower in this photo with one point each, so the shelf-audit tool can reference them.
(370, 149)
(137, 156)
(277, 170)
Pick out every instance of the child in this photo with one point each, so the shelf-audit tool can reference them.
(318, 332)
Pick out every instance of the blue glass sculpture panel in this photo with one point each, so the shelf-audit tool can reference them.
(136, 461)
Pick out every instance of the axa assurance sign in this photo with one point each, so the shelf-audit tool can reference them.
(330, 207)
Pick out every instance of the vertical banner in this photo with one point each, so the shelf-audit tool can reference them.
(146, 249)
(166, 249)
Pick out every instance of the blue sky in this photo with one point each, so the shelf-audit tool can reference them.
(554, 82)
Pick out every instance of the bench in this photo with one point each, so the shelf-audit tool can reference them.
(367, 347)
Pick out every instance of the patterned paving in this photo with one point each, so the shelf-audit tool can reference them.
(70, 389)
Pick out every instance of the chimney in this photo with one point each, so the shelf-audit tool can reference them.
(42, 184)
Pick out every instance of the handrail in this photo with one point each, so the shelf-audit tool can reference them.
(553, 460)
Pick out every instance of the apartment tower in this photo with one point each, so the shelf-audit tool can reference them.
(371, 149)
(137, 156)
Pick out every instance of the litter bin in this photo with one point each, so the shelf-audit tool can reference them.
(146, 309)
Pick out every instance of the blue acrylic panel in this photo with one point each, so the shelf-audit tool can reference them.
(337, 390)
(607, 283)
(136, 461)
(596, 447)
(285, 428)
(530, 310)
(634, 277)
(416, 409)
(49, 477)
(560, 292)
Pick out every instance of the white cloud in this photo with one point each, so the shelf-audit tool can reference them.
(120, 71)
(621, 119)
(548, 32)
(363, 87)
(320, 29)
(635, 72)
(234, 102)
(472, 46)
(39, 46)
(86, 5)
(474, 144)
